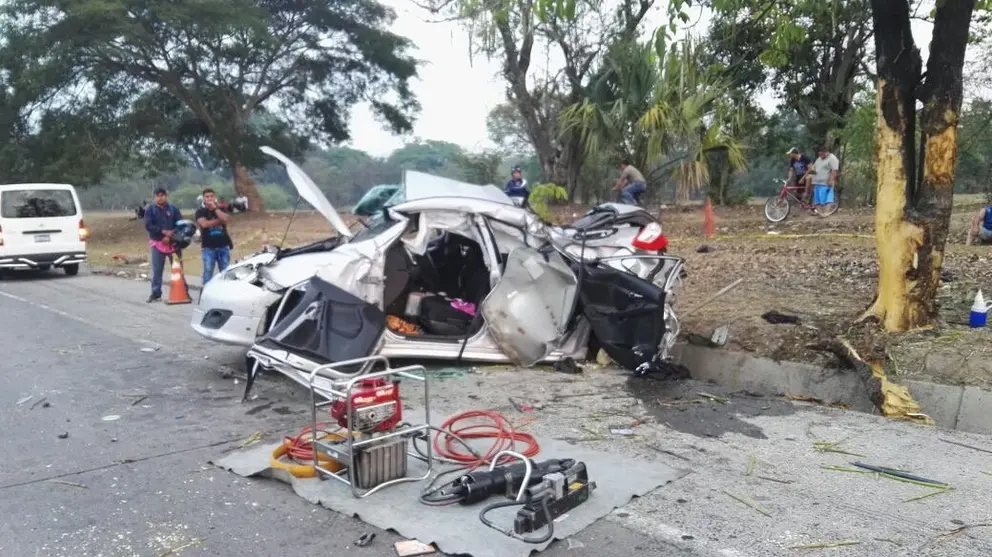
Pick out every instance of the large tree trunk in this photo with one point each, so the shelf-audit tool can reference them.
(896, 237)
(911, 220)
(941, 106)
(245, 185)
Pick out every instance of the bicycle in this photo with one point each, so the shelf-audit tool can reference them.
(777, 207)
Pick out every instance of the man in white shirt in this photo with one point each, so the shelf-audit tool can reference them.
(825, 169)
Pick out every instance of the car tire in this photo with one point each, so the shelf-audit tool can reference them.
(71, 270)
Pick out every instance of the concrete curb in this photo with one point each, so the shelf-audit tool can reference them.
(951, 406)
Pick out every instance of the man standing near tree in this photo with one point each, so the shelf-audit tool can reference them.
(825, 170)
(214, 240)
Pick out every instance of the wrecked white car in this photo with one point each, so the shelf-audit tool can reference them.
(452, 271)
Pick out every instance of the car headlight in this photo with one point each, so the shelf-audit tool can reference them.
(241, 273)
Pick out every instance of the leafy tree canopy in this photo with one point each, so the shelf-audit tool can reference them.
(209, 75)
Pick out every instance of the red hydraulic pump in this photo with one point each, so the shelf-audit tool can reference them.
(375, 407)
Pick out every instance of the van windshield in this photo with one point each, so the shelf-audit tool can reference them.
(25, 204)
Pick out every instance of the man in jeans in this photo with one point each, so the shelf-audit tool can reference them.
(631, 183)
(160, 222)
(214, 239)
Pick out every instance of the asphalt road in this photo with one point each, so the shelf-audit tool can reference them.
(110, 455)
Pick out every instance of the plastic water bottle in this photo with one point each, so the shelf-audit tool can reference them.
(979, 312)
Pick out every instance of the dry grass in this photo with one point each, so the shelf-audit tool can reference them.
(113, 234)
(826, 277)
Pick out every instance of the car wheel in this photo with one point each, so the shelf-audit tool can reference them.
(71, 270)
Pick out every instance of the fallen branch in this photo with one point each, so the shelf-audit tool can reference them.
(712, 298)
(714, 398)
(752, 463)
(844, 469)
(941, 488)
(176, 550)
(967, 446)
(832, 447)
(669, 453)
(826, 545)
(925, 495)
(70, 484)
(960, 530)
(751, 504)
(771, 479)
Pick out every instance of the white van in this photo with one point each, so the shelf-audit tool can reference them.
(41, 226)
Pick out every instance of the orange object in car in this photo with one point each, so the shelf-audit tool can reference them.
(401, 326)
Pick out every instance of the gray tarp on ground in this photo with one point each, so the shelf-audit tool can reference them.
(456, 529)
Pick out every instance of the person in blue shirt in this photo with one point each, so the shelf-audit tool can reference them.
(517, 187)
(981, 227)
(799, 166)
(161, 218)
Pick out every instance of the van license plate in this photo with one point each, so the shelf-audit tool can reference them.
(42, 238)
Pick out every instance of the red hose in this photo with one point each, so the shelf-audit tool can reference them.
(301, 447)
(498, 428)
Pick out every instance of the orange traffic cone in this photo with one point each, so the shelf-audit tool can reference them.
(709, 221)
(178, 289)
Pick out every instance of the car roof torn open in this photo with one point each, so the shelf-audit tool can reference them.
(418, 186)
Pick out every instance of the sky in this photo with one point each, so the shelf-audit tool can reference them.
(456, 91)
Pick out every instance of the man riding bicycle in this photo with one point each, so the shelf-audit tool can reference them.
(631, 184)
(799, 165)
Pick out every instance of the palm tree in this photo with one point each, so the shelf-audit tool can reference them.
(662, 110)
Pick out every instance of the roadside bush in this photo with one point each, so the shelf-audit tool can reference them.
(542, 195)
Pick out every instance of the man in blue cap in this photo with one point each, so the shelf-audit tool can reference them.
(516, 188)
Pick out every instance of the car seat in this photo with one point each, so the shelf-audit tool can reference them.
(438, 317)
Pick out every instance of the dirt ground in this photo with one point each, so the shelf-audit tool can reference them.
(821, 270)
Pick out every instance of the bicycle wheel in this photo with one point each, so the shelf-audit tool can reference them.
(777, 208)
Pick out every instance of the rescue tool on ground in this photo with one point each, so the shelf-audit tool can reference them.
(545, 491)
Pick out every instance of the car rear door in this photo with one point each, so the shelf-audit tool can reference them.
(528, 310)
(39, 218)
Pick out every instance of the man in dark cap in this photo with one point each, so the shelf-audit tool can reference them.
(160, 222)
(516, 188)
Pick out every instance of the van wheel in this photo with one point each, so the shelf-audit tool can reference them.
(71, 270)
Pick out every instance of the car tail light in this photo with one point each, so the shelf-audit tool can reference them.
(650, 238)
(84, 234)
